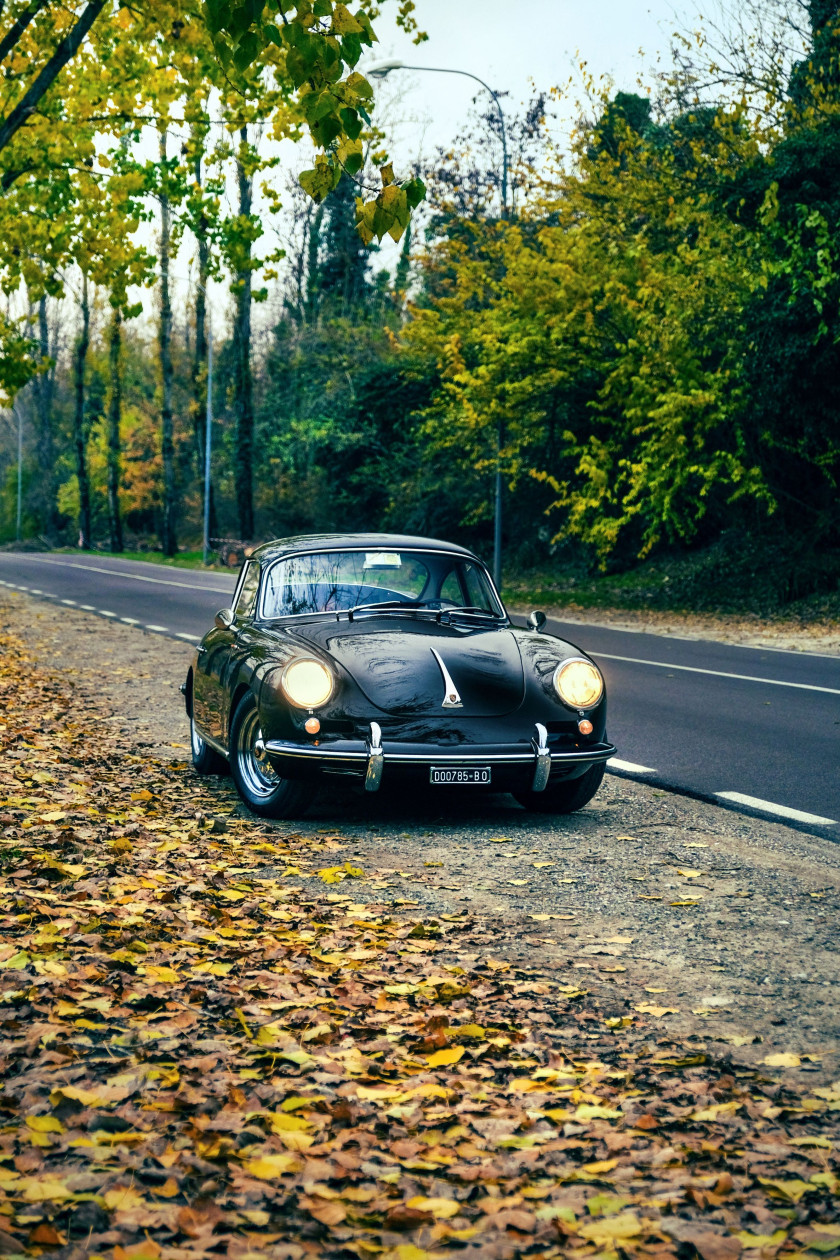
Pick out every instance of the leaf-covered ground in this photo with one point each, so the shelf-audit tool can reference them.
(201, 1057)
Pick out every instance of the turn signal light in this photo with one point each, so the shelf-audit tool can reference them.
(313, 726)
(585, 727)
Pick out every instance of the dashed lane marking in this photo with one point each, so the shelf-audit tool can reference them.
(718, 673)
(72, 602)
(87, 607)
(130, 621)
(616, 763)
(770, 807)
(161, 629)
(104, 612)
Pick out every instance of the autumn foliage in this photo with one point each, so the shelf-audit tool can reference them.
(216, 1041)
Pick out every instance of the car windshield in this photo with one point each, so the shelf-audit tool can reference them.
(343, 581)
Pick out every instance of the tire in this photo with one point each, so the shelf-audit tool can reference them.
(204, 758)
(564, 798)
(262, 789)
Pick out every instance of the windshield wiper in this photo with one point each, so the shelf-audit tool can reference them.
(395, 605)
(471, 610)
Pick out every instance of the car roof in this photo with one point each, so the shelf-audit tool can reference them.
(340, 542)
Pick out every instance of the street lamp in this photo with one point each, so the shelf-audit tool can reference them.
(209, 432)
(380, 71)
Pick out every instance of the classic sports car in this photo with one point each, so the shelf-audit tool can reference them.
(390, 659)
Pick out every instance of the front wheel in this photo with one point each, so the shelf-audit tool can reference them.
(263, 790)
(564, 797)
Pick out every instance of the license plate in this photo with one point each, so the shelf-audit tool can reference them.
(461, 775)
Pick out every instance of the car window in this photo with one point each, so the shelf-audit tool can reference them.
(479, 594)
(247, 600)
(335, 581)
(451, 592)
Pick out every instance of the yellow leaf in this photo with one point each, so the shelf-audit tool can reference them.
(601, 1165)
(124, 1199)
(501, 839)
(782, 1060)
(693, 903)
(36, 1190)
(282, 1122)
(164, 975)
(55, 815)
(749, 1241)
(812, 1141)
(717, 1109)
(792, 1190)
(611, 1228)
(441, 1209)
(268, 1167)
(443, 1058)
(688, 874)
(143, 795)
(656, 1011)
(44, 1124)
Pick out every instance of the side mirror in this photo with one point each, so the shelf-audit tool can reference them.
(537, 621)
(224, 619)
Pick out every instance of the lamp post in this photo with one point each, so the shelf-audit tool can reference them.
(380, 71)
(207, 443)
(16, 408)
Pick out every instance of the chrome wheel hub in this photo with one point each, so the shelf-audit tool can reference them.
(257, 771)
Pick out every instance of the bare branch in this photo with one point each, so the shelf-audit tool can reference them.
(66, 50)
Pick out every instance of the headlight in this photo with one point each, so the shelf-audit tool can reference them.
(307, 683)
(578, 683)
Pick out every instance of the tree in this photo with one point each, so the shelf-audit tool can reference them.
(80, 355)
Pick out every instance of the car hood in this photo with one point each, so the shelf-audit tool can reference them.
(392, 662)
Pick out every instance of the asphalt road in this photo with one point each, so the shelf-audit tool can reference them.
(751, 728)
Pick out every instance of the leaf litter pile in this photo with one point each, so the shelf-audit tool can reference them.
(211, 1044)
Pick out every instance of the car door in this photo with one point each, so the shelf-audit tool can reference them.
(217, 656)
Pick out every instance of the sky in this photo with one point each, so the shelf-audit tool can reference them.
(512, 45)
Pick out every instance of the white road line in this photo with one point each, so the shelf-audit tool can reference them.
(717, 673)
(769, 807)
(130, 621)
(35, 591)
(629, 766)
(164, 628)
(134, 577)
(104, 613)
(69, 601)
(87, 607)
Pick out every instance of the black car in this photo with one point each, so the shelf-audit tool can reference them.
(389, 659)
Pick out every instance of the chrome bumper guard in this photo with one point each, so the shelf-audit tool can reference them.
(371, 756)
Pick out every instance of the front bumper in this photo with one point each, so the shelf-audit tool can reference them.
(368, 759)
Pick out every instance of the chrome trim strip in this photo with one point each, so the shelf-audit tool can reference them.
(280, 749)
(373, 775)
(542, 764)
(219, 748)
(451, 699)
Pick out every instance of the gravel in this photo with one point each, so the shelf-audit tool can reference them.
(725, 923)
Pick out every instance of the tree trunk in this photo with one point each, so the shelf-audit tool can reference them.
(199, 366)
(114, 417)
(44, 387)
(242, 379)
(79, 436)
(169, 542)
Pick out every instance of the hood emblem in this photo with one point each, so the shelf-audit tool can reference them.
(451, 699)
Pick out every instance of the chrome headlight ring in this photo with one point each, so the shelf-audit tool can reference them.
(579, 683)
(307, 683)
